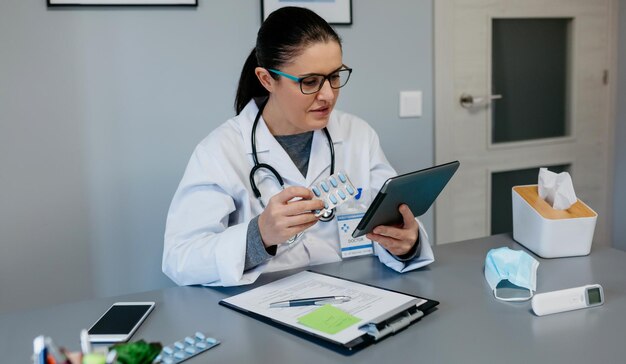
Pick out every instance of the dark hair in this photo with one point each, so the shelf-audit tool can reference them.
(282, 36)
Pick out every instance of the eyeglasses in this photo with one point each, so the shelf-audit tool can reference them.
(313, 83)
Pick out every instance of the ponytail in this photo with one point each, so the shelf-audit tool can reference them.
(249, 85)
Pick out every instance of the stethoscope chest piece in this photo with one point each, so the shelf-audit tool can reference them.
(328, 215)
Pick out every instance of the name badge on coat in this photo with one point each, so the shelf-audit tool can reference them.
(348, 216)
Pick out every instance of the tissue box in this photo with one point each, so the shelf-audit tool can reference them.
(551, 233)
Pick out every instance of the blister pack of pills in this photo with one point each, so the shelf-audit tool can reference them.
(186, 348)
(334, 191)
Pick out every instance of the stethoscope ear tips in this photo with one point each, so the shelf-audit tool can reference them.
(328, 215)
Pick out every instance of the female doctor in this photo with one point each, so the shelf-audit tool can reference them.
(244, 196)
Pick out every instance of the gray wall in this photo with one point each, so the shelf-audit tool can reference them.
(619, 195)
(100, 109)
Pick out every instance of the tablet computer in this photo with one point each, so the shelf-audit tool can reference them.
(417, 189)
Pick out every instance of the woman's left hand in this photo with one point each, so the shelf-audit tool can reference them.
(398, 240)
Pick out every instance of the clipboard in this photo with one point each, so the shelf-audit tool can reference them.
(406, 309)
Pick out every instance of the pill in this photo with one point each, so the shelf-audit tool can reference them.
(179, 345)
(324, 186)
(325, 204)
(200, 335)
(341, 194)
(201, 345)
(190, 350)
(189, 340)
(316, 191)
(332, 198)
(179, 355)
(350, 190)
(167, 350)
(168, 361)
(342, 178)
(333, 181)
(211, 340)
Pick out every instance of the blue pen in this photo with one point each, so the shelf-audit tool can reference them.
(312, 301)
(43, 358)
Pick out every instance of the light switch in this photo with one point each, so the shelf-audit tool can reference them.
(410, 104)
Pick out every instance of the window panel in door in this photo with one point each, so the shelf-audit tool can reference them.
(530, 71)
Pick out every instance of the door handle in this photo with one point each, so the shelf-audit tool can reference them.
(468, 101)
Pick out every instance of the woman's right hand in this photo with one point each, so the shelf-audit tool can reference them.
(284, 218)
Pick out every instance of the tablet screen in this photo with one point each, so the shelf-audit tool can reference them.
(417, 189)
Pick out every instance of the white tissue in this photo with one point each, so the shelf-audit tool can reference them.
(556, 189)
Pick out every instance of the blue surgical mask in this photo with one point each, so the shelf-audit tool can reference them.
(516, 266)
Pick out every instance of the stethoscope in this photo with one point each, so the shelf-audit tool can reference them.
(328, 215)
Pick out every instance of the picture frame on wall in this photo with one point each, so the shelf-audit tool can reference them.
(335, 12)
(123, 2)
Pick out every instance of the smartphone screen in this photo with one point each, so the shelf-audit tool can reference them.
(119, 319)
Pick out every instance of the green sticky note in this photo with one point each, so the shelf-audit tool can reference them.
(328, 319)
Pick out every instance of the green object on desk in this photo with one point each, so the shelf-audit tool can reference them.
(328, 319)
(138, 352)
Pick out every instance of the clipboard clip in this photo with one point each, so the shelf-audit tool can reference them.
(392, 325)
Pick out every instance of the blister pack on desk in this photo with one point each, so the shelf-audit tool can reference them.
(186, 348)
(333, 191)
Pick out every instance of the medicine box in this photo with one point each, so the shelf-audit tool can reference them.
(548, 232)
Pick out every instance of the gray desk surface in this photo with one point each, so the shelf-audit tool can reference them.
(470, 326)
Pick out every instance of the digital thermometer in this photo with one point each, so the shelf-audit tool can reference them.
(568, 299)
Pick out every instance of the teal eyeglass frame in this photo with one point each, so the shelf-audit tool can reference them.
(321, 84)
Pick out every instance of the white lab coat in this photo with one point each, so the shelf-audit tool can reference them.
(206, 230)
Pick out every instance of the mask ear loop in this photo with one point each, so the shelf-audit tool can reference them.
(513, 299)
